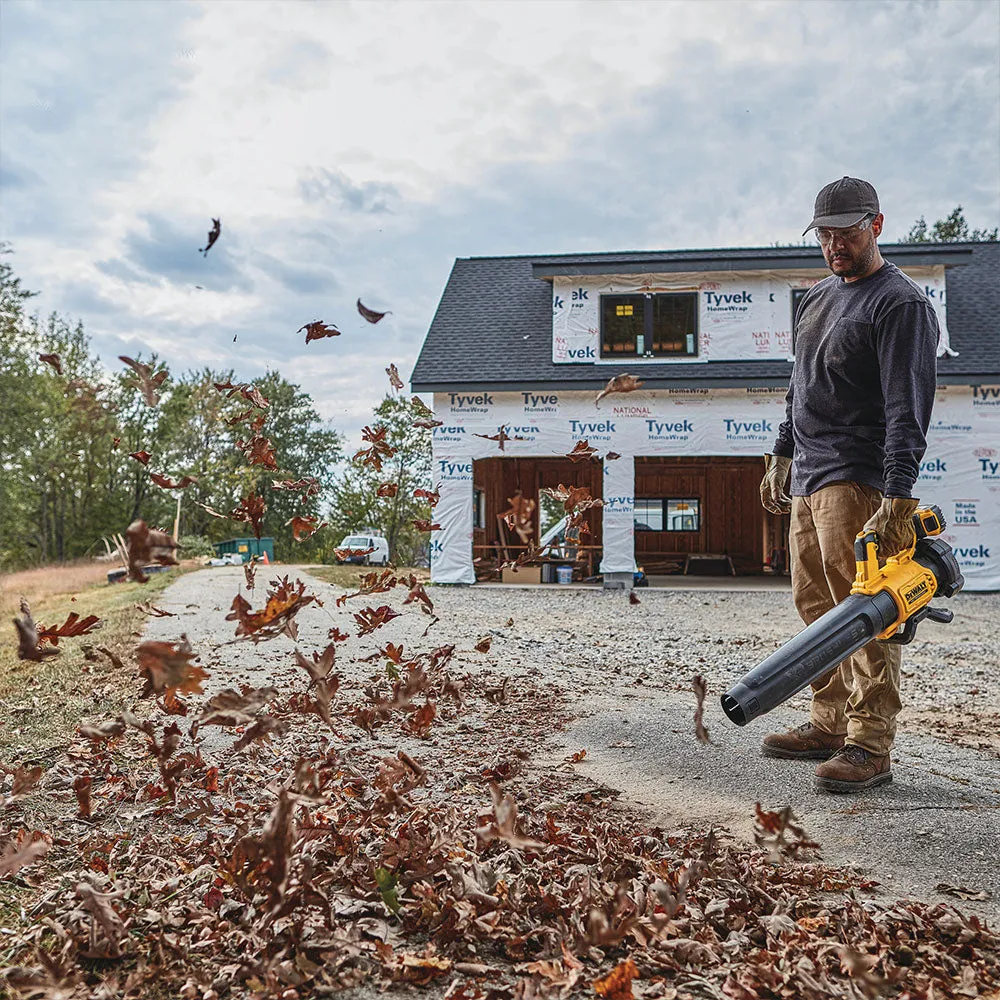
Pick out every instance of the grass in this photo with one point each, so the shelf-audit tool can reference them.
(42, 703)
(347, 576)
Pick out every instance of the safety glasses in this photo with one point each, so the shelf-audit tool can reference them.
(825, 236)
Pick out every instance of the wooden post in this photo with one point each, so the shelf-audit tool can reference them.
(177, 520)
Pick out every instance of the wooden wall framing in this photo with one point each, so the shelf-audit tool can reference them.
(732, 520)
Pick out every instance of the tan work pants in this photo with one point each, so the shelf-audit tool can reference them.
(860, 696)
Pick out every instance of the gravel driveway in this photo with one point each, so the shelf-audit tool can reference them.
(626, 670)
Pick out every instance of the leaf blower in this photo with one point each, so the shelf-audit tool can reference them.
(885, 603)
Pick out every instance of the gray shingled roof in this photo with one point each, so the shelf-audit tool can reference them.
(493, 325)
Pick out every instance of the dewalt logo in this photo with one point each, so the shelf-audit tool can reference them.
(914, 594)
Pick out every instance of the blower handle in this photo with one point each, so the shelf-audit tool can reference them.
(866, 556)
(906, 634)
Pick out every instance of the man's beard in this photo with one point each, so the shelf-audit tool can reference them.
(860, 262)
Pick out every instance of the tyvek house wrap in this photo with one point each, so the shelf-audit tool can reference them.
(741, 316)
(960, 471)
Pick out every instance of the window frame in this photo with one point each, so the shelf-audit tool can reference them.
(665, 512)
(697, 515)
(648, 304)
(478, 509)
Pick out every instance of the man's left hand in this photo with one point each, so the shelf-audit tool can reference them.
(893, 525)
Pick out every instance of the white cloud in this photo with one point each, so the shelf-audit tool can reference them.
(355, 149)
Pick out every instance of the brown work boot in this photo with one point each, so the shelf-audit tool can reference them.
(853, 769)
(805, 742)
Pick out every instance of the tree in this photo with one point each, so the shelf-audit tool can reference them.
(355, 501)
(66, 475)
(952, 229)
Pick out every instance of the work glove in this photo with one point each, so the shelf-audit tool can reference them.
(774, 484)
(893, 525)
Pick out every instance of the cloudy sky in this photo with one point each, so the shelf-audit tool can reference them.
(356, 149)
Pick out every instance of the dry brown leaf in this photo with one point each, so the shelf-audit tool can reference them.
(582, 452)
(213, 235)
(170, 665)
(620, 383)
(700, 688)
(247, 390)
(304, 527)
(284, 600)
(81, 786)
(779, 834)
(233, 708)
(24, 780)
(151, 609)
(317, 330)
(72, 627)
(617, 984)
(380, 449)
(980, 895)
(169, 484)
(146, 382)
(519, 516)
(431, 496)
(371, 619)
(110, 729)
(148, 545)
(371, 316)
(28, 645)
(502, 823)
(24, 850)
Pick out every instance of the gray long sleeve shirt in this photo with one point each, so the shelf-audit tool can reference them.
(862, 385)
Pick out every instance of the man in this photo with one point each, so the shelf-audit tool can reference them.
(857, 410)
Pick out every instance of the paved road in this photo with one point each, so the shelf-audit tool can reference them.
(626, 669)
(938, 821)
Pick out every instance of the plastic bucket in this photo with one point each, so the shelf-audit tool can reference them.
(564, 574)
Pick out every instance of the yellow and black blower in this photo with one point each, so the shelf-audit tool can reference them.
(885, 603)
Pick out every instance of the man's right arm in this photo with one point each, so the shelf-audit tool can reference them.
(784, 445)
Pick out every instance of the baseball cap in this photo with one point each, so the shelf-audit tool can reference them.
(843, 203)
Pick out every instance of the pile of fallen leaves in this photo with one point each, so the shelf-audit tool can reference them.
(296, 860)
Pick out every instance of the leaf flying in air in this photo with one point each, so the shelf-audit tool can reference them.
(213, 234)
(147, 383)
(620, 383)
(304, 527)
(168, 484)
(370, 314)
(317, 330)
(170, 665)
(700, 688)
(394, 379)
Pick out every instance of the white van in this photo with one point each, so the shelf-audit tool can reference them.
(379, 556)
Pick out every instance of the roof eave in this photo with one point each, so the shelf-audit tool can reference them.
(909, 256)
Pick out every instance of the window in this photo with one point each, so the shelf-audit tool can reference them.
(798, 294)
(683, 515)
(648, 515)
(478, 509)
(649, 326)
(668, 515)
